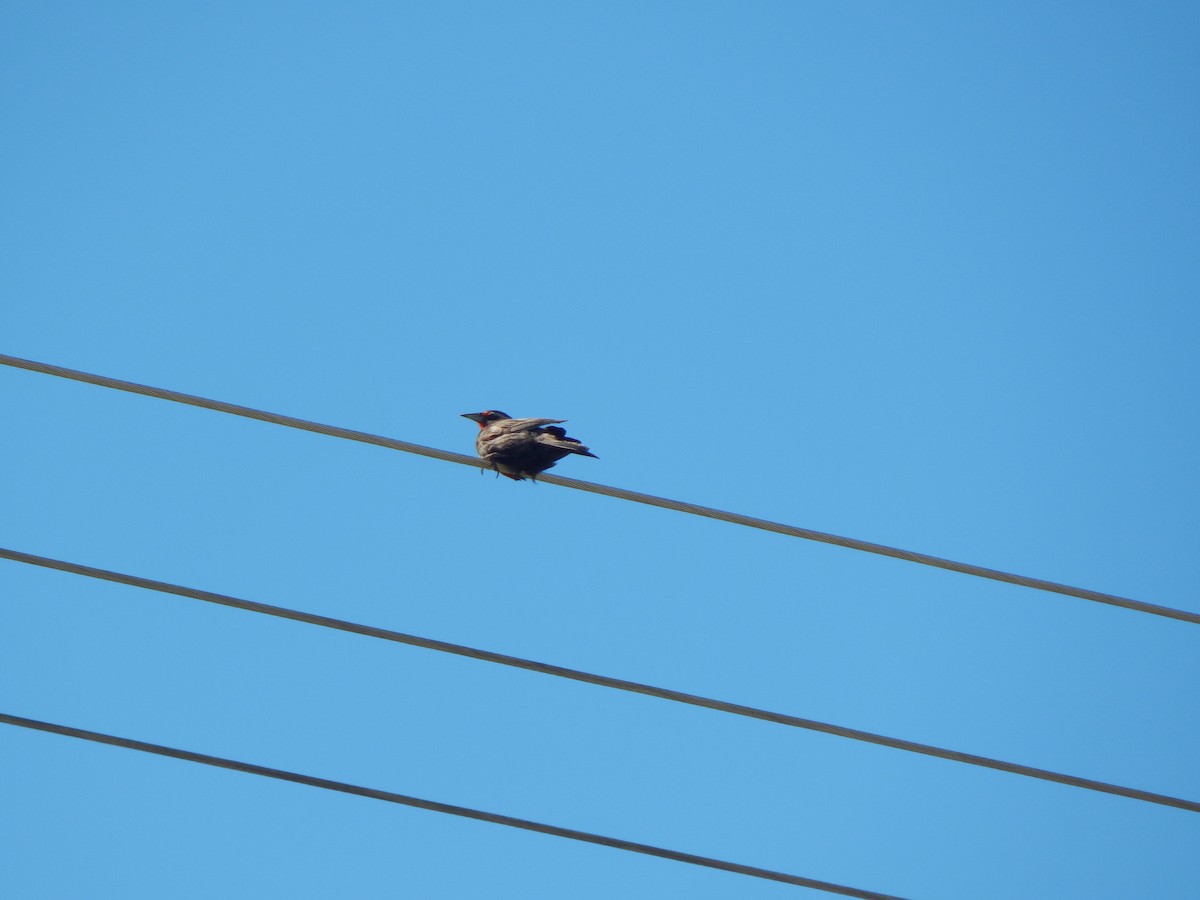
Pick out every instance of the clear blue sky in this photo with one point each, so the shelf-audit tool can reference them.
(924, 274)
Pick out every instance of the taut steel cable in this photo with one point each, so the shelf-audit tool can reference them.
(620, 684)
(435, 806)
(620, 493)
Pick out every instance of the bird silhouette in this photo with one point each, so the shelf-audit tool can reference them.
(522, 448)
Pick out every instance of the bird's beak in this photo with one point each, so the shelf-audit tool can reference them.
(474, 417)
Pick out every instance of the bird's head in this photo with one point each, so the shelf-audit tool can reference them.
(487, 417)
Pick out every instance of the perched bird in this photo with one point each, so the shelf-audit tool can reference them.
(522, 448)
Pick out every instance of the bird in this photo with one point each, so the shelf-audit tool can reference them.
(522, 448)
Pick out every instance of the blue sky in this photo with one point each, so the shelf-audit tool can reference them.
(923, 274)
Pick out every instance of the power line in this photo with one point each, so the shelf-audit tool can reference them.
(606, 490)
(435, 806)
(599, 680)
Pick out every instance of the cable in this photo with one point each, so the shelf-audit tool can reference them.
(619, 493)
(434, 806)
(600, 680)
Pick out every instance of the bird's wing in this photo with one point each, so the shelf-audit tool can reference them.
(524, 424)
(557, 438)
(500, 443)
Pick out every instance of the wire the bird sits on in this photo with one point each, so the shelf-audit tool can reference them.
(435, 806)
(601, 680)
(619, 493)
